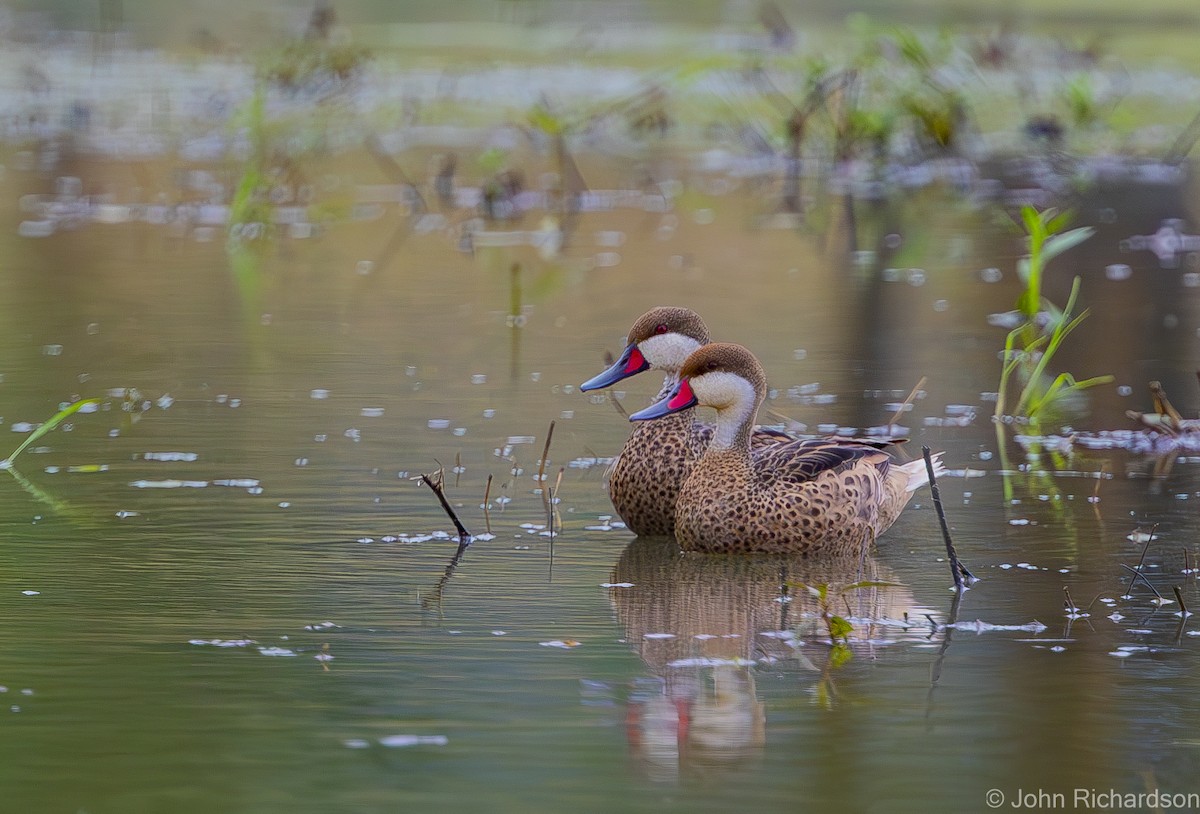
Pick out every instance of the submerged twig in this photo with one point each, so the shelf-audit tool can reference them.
(957, 569)
(436, 483)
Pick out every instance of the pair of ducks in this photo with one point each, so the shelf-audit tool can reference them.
(732, 487)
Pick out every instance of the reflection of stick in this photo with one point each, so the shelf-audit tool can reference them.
(957, 569)
(911, 397)
(464, 536)
(435, 595)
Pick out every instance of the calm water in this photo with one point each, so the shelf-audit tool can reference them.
(240, 607)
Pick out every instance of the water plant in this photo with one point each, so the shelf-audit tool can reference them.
(8, 464)
(1030, 347)
(46, 427)
(837, 627)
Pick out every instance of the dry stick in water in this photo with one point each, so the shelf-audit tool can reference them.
(542, 465)
(464, 536)
(1179, 597)
(487, 515)
(911, 397)
(957, 569)
(1139, 575)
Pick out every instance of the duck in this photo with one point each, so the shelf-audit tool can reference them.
(816, 496)
(644, 478)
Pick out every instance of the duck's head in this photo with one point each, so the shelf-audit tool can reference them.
(722, 375)
(662, 338)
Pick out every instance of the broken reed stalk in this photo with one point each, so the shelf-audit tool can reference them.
(554, 495)
(911, 398)
(1146, 548)
(1069, 603)
(957, 569)
(1139, 575)
(1179, 598)
(464, 536)
(542, 465)
(487, 514)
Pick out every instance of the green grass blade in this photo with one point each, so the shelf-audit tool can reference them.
(46, 427)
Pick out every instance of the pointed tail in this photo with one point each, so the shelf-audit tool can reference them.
(918, 475)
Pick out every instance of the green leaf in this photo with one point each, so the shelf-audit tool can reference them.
(839, 628)
(49, 425)
(1057, 244)
(1032, 219)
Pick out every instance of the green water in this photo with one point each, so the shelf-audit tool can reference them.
(301, 394)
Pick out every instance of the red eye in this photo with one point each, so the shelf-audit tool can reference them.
(660, 328)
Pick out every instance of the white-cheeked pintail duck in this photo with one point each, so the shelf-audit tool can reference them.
(817, 496)
(644, 479)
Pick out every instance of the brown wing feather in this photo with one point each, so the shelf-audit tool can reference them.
(801, 461)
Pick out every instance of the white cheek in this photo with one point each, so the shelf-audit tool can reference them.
(732, 396)
(667, 351)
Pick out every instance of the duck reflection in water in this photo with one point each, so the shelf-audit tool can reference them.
(704, 624)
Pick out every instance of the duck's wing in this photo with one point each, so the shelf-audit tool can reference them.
(800, 461)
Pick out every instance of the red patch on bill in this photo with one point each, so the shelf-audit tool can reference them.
(636, 363)
(682, 397)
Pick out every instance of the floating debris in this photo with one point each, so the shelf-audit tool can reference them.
(564, 644)
(169, 484)
(276, 651)
(222, 642)
(711, 662)
(979, 626)
(400, 741)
